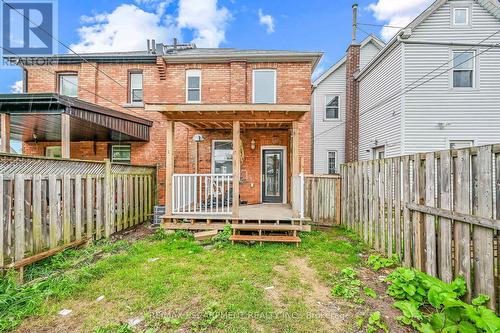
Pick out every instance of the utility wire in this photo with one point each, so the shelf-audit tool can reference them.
(408, 88)
(64, 45)
(381, 25)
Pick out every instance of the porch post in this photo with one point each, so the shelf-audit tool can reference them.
(236, 168)
(5, 133)
(295, 164)
(169, 166)
(65, 135)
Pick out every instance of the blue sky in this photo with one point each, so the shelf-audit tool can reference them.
(313, 25)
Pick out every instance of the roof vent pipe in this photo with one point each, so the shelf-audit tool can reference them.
(153, 46)
(149, 46)
(354, 22)
(175, 43)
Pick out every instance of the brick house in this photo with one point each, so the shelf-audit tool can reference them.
(187, 110)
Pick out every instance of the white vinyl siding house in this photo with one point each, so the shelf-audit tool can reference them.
(437, 113)
(329, 133)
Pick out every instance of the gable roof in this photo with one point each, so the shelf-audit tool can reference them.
(492, 6)
(371, 38)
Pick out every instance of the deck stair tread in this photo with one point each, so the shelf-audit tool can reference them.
(269, 227)
(236, 226)
(277, 239)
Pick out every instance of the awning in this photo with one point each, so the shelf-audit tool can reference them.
(36, 117)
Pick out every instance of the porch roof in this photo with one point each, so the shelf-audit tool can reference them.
(37, 117)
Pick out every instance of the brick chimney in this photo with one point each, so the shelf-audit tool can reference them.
(352, 95)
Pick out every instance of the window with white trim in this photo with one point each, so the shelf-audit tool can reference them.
(379, 153)
(461, 16)
(332, 162)
(459, 144)
(136, 87)
(68, 84)
(121, 153)
(332, 107)
(193, 86)
(264, 86)
(463, 69)
(222, 156)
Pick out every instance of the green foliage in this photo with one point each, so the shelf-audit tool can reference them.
(378, 262)
(222, 238)
(415, 290)
(183, 234)
(375, 323)
(159, 235)
(347, 286)
(370, 292)
(115, 328)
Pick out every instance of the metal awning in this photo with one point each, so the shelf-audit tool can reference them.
(37, 117)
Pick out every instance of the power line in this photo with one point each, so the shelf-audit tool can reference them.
(404, 91)
(381, 25)
(64, 45)
(67, 81)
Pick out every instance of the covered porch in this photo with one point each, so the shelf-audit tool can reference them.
(257, 179)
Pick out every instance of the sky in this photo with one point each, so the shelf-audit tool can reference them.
(312, 25)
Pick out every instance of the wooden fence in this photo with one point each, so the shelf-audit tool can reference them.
(439, 212)
(322, 199)
(47, 203)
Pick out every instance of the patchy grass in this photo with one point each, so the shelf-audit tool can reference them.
(169, 282)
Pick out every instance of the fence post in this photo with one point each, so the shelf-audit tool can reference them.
(107, 198)
(301, 195)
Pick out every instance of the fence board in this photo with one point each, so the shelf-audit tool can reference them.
(53, 212)
(366, 193)
(89, 206)
(445, 235)
(418, 226)
(382, 215)
(19, 236)
(119, 202)
(430, 220)
(397, 206)
(78, 207)
(37, 213)
(66, 209)
(2, 224)
(390, 207)
(406, 213)
(376, 204)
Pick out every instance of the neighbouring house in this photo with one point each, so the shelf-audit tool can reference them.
(329, 109)
(187, 110)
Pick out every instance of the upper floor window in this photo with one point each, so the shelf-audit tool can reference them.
(193, 86)
(463, 69)
(332, 162)
(136, 93)
(264, 86)
(332, 107)
(461, 16)
(68, 84)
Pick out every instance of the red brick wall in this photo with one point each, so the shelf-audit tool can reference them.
(352, 105)
(221, 83)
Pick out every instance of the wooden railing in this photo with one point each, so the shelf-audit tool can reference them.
(322, 199)
(49, 203)
(202, 194)
(439, 212)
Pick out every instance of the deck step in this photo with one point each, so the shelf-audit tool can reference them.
(236, 226)
(268, 227)
(205, 235)
(275, 239)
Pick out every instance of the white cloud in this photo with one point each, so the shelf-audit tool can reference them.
(128, 26)
(206, 19)
(17, 87)
(397, 13)
(266, 20)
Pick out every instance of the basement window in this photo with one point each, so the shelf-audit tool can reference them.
(459, 144)
(463, 69)
(264, 86)
(332, 107)
(121, 153)
(193, 86)
(222, 156)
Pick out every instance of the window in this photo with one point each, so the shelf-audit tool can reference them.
(332, 162)
(193, 86)
(121, 153)
(460, 16)
(379, 153)
(136, 87)
(222, 157)
(53, 152)
(68, 85)
(459, 144)
(463, 69)
(264, 86)
(332, 107)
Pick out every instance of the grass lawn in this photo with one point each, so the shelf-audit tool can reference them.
(171, 283)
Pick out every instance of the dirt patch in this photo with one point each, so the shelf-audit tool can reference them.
(139, 232)
(314, 293)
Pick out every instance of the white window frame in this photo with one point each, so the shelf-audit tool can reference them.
(213, 150)
(328, 161)
(60, 77)
(474, 69)
(275, 84)
(377, 150)
(461, 25)
(192, 73)
(325, 118)
(131, 95)
(450, 141)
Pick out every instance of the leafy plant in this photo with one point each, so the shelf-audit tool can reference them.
(222, 238)
(115, 328)
(375, 323)
(378, 262)
(347, 286)
(159, 235)
(445, 311)
(183, 234)
(370, 292)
